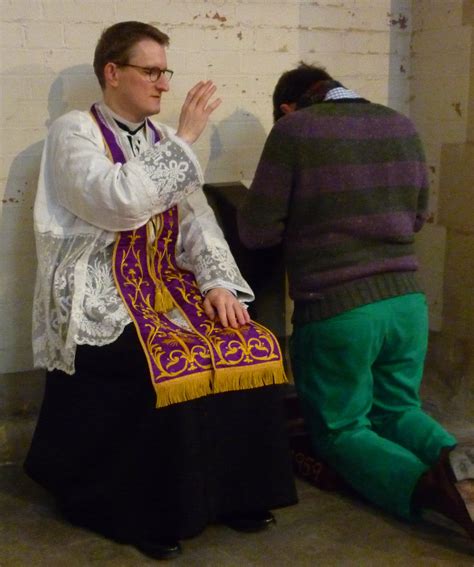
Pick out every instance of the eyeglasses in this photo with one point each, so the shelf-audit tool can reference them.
(154, 73)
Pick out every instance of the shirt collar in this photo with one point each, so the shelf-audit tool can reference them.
(339, 93)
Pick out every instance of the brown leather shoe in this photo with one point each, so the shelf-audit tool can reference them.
(439, 490)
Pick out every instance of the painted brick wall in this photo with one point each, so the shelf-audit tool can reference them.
(242, 45)
(439, 94)
(442, 95)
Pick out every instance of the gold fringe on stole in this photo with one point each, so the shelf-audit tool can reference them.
(188, 388)
(218, 381)
(247, 377)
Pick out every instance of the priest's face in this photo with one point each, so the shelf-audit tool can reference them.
(129, 91)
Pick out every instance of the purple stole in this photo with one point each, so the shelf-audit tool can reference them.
(184, 363)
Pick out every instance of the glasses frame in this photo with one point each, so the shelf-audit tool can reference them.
(150, 71)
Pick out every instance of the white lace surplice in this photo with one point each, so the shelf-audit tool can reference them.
(83, 200)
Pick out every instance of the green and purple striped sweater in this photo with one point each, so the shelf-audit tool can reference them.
(343, 185)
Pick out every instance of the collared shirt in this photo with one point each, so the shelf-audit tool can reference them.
(339, 93)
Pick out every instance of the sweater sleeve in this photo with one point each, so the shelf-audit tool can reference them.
(110, 196)
(262, 218)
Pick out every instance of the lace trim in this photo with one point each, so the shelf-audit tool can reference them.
(167, 165)
(217, 263)
(75, 299)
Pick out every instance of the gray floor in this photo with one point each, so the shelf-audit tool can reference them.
(324, 529)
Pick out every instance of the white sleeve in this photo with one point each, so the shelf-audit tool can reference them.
(110, 196)
(205, 251)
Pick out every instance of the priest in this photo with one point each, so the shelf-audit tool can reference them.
(162, 408)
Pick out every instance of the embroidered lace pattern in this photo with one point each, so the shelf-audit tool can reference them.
(75, 298)
(168, 165)
(216, 263)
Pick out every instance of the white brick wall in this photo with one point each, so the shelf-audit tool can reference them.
(440, 73)
(243, 45)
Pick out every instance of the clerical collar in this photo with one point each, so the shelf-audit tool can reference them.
(130, 127)
(127, 128)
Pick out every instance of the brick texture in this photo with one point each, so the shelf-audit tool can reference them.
(243, 45)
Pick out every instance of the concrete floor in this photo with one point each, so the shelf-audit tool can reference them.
(324, 529)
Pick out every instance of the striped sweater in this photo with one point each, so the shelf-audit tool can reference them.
(343, 186)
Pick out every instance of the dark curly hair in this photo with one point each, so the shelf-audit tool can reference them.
(292, 85)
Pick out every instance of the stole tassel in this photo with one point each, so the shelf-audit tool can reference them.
(163, 299)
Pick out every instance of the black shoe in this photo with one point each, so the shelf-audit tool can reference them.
(159, 549)
(91, 520)
(251, 522)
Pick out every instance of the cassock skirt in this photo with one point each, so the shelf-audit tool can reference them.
(118, 465)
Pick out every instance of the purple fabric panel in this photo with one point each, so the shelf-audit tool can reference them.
(155, 134)
(228, 344)
(174, 353)
(378, 226)
(359, 128)
(156, 330)
(116, 151)
(321, 280)
(339, 177)
(270, 174)
(180, 283)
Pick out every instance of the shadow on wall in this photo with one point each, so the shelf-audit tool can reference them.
(236, 143)
(75, 87)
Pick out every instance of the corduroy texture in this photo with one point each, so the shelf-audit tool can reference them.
(344, 186)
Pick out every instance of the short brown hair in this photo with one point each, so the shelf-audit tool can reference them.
(117, 41)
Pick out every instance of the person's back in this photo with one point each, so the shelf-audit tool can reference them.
(361, 183)
(358, 195)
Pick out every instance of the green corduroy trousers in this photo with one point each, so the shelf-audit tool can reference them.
(358, 376)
